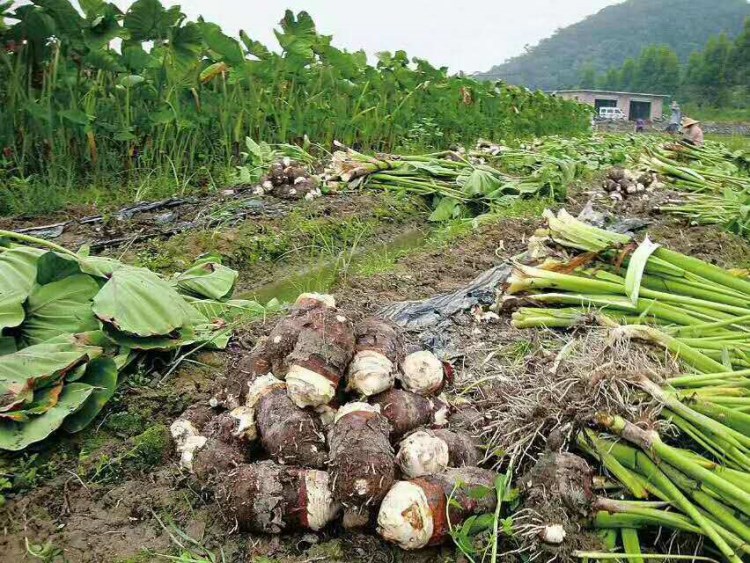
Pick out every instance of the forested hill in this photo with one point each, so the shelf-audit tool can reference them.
(616, 33)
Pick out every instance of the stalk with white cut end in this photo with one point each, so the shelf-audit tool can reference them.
(270, 498)
(377, 354)
(422, 373)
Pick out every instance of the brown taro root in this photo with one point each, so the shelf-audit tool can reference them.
(422, 373)
(291, 436)
(224, 448)
(407, 411)
(269, 355)
(270, 498)
(324, 348)
(560, 479)
(362, 463)
(467, 418)
(416, 513)
(376, 358)
(427, 452)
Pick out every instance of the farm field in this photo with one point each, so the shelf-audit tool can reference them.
(287, 305)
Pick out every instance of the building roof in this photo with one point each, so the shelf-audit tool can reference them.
(610, 92)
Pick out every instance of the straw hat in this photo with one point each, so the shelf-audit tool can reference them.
(687, 122)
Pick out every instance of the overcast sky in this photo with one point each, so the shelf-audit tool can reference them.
(466, 36)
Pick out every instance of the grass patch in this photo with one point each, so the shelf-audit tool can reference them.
(733, 142)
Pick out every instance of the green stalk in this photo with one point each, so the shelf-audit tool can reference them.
(631, 545)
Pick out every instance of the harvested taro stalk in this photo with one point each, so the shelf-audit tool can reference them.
(422, 373)
(290, 435)
(362, 464)
(376, 358)
(426, 452)
(407, 411)
(270, 352)
(324, 349)
(416, 513)
(270, 498)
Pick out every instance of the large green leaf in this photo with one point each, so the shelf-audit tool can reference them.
(61, 307)
(228, 310)
(39, 365)
(227, 48)
(479, 183)
(16, 436)
(52, 267)
(208, 278)
(101, 374)
(177, 339)
(18, 269)
(11, 309)
(138, 302)
(44, 399)
(146, 19)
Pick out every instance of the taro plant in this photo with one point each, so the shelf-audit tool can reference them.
(180, 95)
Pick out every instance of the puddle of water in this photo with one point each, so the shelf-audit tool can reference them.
(321, 277)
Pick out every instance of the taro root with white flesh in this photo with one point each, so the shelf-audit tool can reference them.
(427, 452)
(186, 433)
(407, 411)
(377, 354)
(362, 464)
(416, 513)
(270, 498)
(323, 351)
(224, 447)
(270, 353)
(422, 373)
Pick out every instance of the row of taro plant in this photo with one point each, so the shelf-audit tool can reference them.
(108, 96)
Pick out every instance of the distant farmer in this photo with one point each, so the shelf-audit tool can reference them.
(640, 125)
(675, 119)
(692, 133)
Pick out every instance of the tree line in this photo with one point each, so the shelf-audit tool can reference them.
(716, 77)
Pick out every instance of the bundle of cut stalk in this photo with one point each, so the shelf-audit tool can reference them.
(700, 313)
(451, 176)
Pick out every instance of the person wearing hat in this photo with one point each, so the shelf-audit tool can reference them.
(691, 131)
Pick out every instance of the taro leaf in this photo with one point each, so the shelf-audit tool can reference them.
(479, 182)
(178, 339)
(448, 208)
(7, 345)
(11, 309)
(44, 399)
(101, 373)
(53, 266)
(138, 302)
(146, 19)
(228, 310)
(227, 48)
(208, 278)
(18, 269)
(61, 307)
(16, 436)
(40, 365)
(637, 265)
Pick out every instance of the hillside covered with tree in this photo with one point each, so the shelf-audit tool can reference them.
(613, 35)
(718, 76)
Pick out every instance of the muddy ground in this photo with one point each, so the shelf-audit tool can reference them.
(114, 492)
